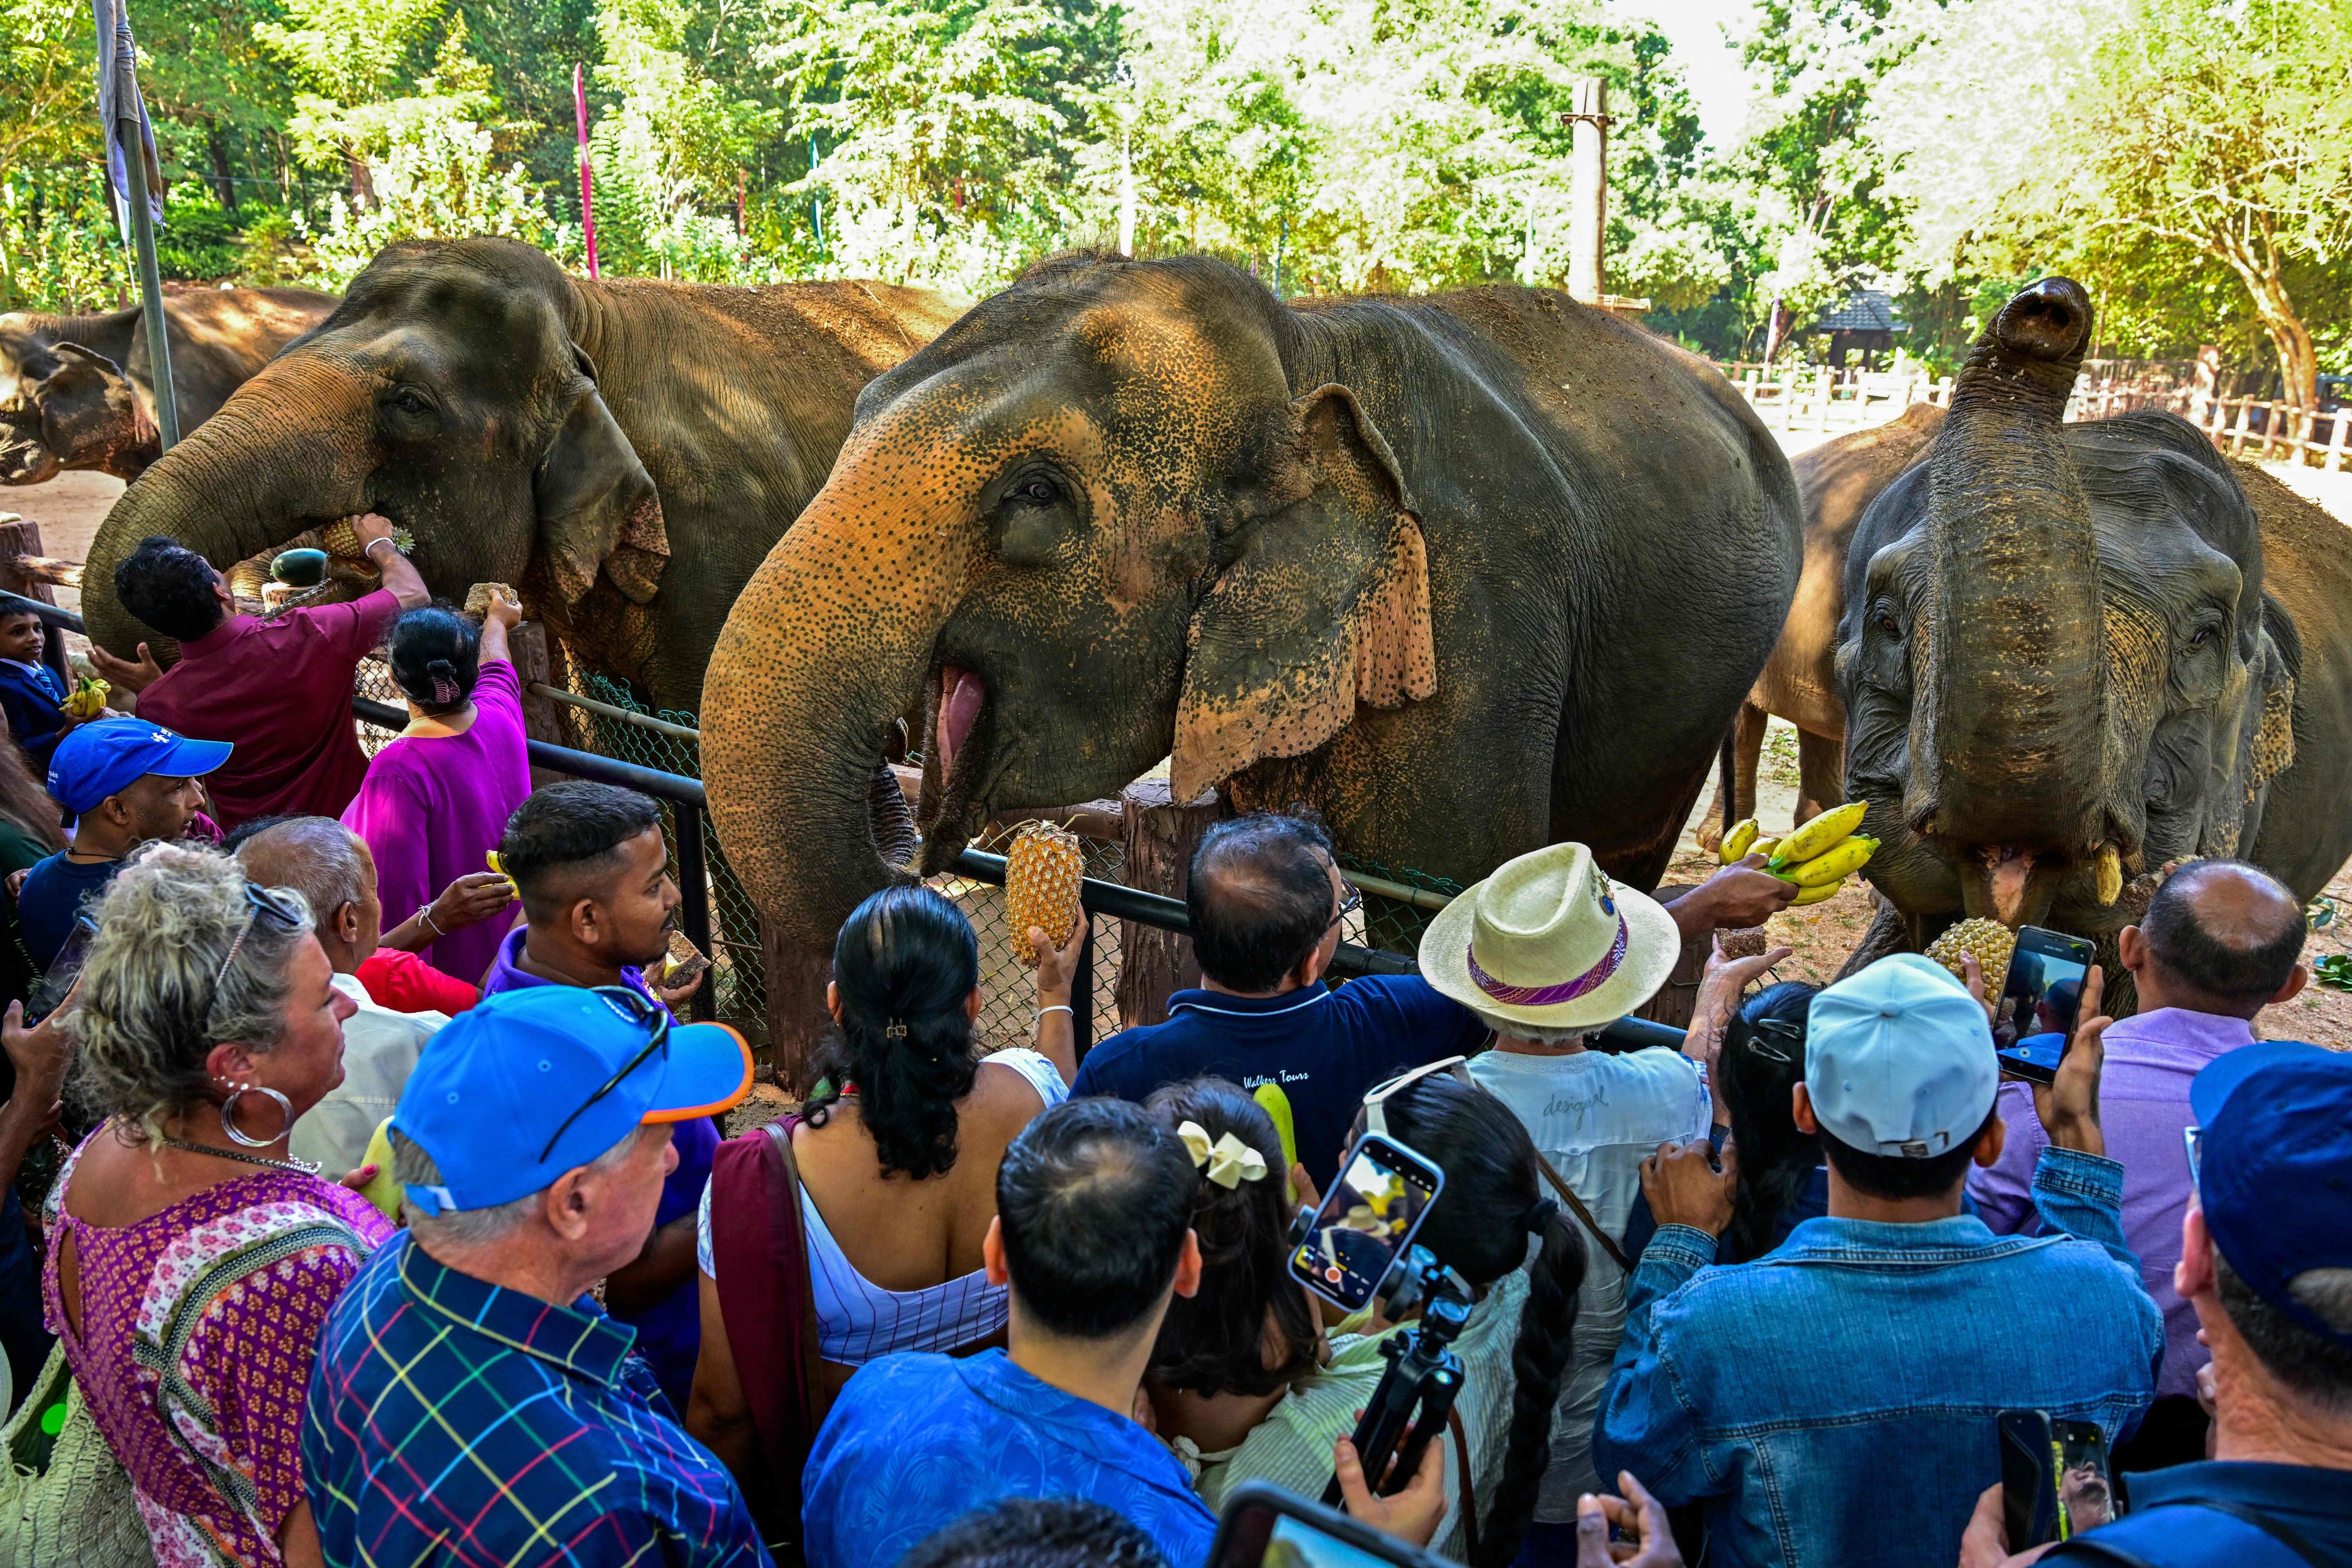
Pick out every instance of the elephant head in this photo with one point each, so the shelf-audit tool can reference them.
(2059, 666)
(1107, 516)
(63, 405)
(454, 391)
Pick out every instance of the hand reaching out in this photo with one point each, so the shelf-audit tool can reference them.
(470, 900)
(1684, 1188)
(1057, 967)
(126, 674)
(1412, 1514)
(2069, 1108)
(1650, 1542)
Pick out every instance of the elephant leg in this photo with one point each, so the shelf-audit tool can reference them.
(1890, 933)
(1820, 773)
(1746, 750)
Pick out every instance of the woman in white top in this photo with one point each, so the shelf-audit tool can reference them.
(896, 1153)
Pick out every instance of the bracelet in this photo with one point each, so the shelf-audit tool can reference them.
(368, 549)
(1058, 1007)
(425, 914)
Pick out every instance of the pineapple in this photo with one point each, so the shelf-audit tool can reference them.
(1744, 941)
(1041, 885)
(477, 601)
(1990, 940)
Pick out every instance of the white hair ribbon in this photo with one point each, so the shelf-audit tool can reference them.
(1228, 1162)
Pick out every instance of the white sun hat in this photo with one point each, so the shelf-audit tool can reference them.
(1548, 940)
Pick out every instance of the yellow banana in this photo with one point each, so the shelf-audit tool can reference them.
(1815, 895)
(512, 891)
(1848, 854)
(1736, 842)
(1818, 835)
(88, 699)
(1764, 847)
(2110, 873)
(1277, 1106)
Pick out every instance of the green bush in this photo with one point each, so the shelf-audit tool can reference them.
(196, 240)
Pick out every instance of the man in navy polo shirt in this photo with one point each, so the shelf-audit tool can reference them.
(2266, 1262)
(1267, 903)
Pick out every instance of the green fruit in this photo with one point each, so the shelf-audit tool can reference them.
(299, 568)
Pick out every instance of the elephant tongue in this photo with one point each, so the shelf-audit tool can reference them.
(958, 707)
(2009, 869)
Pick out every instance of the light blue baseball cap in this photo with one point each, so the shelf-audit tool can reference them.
(1899, 1060)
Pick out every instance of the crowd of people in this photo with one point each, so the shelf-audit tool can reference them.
(397, 1221)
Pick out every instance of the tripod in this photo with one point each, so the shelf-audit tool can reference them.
(1408, 1408)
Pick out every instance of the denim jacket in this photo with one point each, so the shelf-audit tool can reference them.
(1833, 1403)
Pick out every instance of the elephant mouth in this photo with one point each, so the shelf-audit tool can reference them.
(24, 458)
(960, 725)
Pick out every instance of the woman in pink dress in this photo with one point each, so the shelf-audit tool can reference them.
(437, 799)
(191, 1260)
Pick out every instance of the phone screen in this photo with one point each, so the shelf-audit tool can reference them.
(2087, 1494)
(2035, 1020)
(1266, 1527)
(50, 989)
(1367, 1220)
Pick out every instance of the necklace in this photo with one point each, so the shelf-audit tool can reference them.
(300, 1167)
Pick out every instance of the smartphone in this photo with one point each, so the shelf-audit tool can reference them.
(1264, 1526)
(50, 989)
(2054, 1478)
(1367, 1219)
(2033, 1022)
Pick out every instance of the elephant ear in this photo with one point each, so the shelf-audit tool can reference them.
(1325, 606)
(598, 509)
(2274, 748)
(89, 408)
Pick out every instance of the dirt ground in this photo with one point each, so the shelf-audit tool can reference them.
(70, 507)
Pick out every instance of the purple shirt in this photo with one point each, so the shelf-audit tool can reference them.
(2143, 1106)
(433, 806)
(669, 1332)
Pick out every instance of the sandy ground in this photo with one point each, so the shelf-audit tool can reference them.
(70, 507)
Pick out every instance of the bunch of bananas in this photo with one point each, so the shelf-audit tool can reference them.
(1818, 858)
(88, 699)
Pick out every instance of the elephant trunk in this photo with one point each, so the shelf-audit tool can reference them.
(287, 450)
(825, 647)
(2008, 744)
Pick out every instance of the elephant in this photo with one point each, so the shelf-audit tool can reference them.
(77, 392)
(2069, 655)
(1838, 480)
(1467, 573)
(624, 452)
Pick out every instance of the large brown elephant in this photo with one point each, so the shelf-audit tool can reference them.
(78, 391)
(2070, 654)
(1838, 480)
(1469, 572)
(624, 452)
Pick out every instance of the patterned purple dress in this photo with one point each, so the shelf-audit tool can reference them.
(209, 1423)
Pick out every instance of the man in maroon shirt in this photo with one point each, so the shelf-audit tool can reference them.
(280, 689)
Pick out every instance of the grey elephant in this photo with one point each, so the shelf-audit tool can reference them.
(2070, 654)
(1470, 572)
(78, 391)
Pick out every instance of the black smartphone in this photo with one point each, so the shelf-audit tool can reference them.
(2033, 1022)
(50, 989)
(2056, 1482)
(1264, 1526)
(1367, 1219)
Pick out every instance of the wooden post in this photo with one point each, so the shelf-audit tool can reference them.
(1159, 837)
(2336, 423)
(1678, 999)
(533, 667)
(20, 538)
(797, 975)
(1588, 192)
(2246, 426)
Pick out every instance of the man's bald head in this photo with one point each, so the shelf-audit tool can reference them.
(317, 857)
(2229, 932)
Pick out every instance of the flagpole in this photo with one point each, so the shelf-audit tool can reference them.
(151, 289)
(587, 178)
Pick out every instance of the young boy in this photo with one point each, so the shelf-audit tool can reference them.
(31, 693)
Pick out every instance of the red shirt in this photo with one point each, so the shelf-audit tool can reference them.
(406, 984)
(280, 691)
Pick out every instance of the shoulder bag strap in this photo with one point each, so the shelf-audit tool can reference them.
(2104, 1544)
(1469, 1482)
(1576, 1206)
(762, 1258)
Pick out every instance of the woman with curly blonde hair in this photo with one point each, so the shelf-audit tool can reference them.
(191, 1260)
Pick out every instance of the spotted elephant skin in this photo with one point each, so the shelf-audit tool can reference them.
(2070, 654)
(625, 453)
(1468, 573)
(78, 391)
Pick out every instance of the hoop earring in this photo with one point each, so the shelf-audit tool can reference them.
(228, 1114)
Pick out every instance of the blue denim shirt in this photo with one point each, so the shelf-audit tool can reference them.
(1833, 1403)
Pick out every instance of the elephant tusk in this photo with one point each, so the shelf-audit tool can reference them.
(2110, 872)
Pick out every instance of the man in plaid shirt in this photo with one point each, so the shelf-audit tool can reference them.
(471, 1404)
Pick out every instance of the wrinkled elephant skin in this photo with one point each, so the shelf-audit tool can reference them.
(2066, 644)
(625, 453)
(78, 391)
(1468, 573)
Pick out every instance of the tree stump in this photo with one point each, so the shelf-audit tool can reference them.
(1159, 836)
(20, 538)
(1678, 999)
(797, 975)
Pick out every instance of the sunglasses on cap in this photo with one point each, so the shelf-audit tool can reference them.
(1376, 1099)
(638, 1008)
(264, 905)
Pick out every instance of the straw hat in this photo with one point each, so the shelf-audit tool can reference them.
(1547, 940)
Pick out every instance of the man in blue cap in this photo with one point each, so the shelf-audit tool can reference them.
(1834, 1401)
(2266, 1261)
(129, 781)
(472, 1404)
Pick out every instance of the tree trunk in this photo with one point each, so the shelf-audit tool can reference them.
(218, 144)
(2290, 339)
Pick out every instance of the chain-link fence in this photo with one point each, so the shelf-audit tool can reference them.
(1389, 922)
(1008, 996)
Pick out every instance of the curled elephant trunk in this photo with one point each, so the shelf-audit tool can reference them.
(279, 456)
(825, 647)
(2011, 667)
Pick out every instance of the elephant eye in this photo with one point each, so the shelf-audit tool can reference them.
(1886, 623)
(2204, 635)
(408, 400)
(1037, 493)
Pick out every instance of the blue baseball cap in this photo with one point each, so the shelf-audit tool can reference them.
(2275, 1131)
(98, 760)
(533, 1083)
(1899, 1060)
